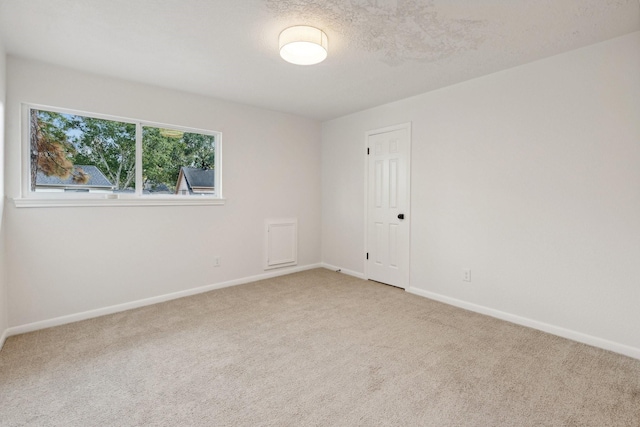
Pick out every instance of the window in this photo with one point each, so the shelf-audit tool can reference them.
(80, 156)
(177, 162)
(77, 153)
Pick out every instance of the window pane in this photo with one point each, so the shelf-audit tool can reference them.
(81, 154)
(176, 162)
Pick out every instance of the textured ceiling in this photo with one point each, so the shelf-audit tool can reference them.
(379, 50)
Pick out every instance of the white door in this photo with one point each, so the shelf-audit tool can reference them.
(388, 205)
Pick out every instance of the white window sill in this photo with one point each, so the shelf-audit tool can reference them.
(131, 201)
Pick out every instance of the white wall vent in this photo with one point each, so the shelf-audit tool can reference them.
(281, 243)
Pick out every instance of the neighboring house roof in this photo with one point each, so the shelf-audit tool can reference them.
(158, 189)
(96, 179)
(197, 179)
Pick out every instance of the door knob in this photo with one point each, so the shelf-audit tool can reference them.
(400, 216)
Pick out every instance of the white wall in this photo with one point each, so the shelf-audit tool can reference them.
(4, 304)
(530, 177)
(62, 261)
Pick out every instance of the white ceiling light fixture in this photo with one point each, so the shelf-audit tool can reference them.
(303, 45)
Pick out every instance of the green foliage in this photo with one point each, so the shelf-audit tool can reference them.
(199, 150)
(161, 157)
(164, 152)
(109, 145)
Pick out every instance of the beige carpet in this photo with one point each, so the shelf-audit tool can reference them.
(313, 348)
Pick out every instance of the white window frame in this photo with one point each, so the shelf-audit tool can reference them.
(30, 198)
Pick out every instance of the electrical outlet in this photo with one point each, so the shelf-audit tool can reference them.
(466, 275)
(216, 261)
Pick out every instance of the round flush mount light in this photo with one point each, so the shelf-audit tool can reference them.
(303, 45)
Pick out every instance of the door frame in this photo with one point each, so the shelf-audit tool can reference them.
(400, 126)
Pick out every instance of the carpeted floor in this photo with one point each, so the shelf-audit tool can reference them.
(312, 348)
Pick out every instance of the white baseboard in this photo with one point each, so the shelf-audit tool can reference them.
(3, 338)
(343, 270)
(534, 324)
(57, 321)
(545, 327)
